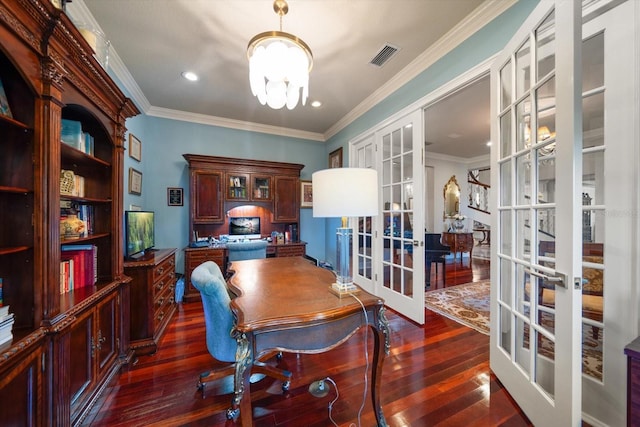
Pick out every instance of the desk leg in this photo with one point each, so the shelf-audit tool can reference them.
(240, 404)
(381, 349)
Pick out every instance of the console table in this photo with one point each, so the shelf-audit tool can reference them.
(459, 242)
(284, 304)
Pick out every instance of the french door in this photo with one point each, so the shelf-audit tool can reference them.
(399, 233)
(559, 350)
(363, 155)
(536, 167)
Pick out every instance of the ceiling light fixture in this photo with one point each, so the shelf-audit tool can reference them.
(279, 65)
(190, 75)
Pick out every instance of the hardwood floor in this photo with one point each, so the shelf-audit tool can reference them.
(436, 375)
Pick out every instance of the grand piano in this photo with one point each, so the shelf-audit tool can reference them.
(434, 251)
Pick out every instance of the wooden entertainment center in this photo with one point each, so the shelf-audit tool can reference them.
(220, 187)
(67, 344)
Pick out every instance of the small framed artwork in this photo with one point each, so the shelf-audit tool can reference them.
(135, 182)
(174, 196)
(335, 158)
(306, 194)
(135, 148)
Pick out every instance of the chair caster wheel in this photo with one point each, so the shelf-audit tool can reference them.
(285, 386)
(232, 414)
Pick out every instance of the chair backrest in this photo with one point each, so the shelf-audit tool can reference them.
(432, 241)
(253, 249)
(208, 279)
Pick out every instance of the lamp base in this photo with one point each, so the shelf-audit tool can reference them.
(344, 290)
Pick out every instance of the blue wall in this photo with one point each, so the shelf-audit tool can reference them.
(164, 141)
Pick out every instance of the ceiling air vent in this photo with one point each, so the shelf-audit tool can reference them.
(384, 54)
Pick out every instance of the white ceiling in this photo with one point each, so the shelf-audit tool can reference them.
(154, 41)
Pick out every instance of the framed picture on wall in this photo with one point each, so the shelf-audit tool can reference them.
(306, 194)
(335, 158)
(174, 196)
(135, 148)
(135, 182)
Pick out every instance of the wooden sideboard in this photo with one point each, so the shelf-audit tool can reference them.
(152, 298)
(459, 242)
(193, 257)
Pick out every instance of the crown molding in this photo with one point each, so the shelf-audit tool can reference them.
(480, 17)
(204, 119)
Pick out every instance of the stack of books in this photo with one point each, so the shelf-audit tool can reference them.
(78, 267)
(6, 325)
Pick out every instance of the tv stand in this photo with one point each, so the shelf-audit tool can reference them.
(152, 297)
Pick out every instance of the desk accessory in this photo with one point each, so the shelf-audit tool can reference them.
(345, 192)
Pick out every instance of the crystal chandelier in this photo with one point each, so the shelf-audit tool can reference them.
(279, 65)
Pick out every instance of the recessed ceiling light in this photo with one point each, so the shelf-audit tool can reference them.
(189, 75)
(316, 104)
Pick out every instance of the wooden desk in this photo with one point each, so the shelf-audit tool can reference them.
(284, 304)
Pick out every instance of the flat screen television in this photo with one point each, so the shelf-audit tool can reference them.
(139, 233)
(244, 226)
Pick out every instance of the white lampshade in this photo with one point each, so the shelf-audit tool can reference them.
(345, 192)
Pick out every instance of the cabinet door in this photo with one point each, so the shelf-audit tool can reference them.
(238, 186)
(106, 336)
(21, 391)
(81, 372)
(206, 197)
(261, 187)
(287, 204)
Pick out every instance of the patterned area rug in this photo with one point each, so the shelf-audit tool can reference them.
(467, 304)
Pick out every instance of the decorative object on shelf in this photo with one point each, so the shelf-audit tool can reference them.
(279, 65)
(97, 41)
(458, 222)
(4, 102)
(174, 196)
(135, 182)
(135, 148)
(72, 227)
(335, 158)
(306, 194)
(345, 192)
(67, 182)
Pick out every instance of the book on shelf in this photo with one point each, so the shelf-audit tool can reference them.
(5, 110)
(71, 134)
(4, 311)
(1, 295)
(83, 270)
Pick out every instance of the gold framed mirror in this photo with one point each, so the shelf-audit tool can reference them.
(451, 194)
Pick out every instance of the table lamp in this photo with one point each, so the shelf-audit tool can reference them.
(344, 192)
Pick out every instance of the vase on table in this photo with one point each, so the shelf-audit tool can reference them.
(458, 224)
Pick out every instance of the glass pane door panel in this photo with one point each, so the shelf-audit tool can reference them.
(593, 62)
(523, 225)
(593, 120)
(505, 86)
(546, 118)
(545, 47)
(593, 178)
(521, 356)
(505, 328)
(505, 232)
(505, 135)
(523, 179)
(523, 290)
(505, 187)
(523, 124)
(506, 282)
(523, 69)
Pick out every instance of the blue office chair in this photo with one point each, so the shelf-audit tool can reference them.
(208, 279)
(252, 249)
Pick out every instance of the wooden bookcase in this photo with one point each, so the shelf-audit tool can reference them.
(66, 346)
